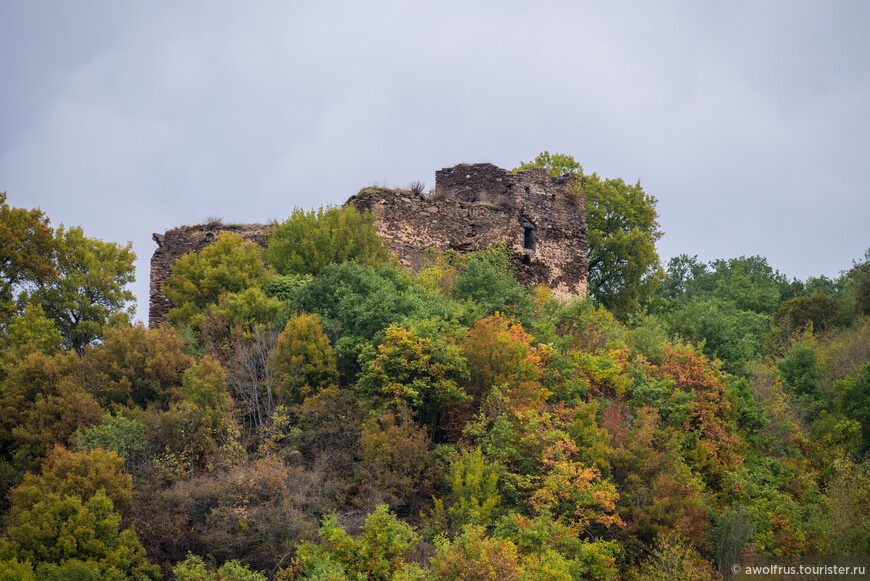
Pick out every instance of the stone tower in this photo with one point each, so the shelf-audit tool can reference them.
(538, 217)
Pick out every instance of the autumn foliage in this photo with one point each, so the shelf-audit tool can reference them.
(314, 412)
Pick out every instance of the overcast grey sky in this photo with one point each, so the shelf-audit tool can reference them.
(749, 121)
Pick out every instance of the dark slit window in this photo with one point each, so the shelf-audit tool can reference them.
(529, 237)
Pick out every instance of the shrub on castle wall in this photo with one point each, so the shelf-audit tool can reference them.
(308, 241)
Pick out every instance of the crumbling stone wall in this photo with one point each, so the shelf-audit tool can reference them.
(473, 207)
(176, 243)
(481, 205)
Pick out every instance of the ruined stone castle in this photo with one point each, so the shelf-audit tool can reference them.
(541, 220)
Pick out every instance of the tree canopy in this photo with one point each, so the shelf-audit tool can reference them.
(623, 229)
(308, 241)
(359, 421)
(77, 282)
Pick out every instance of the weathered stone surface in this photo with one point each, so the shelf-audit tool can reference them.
(481, 205)
(474, 207)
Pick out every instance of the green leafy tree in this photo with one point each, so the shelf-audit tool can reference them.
(356, 303)
(375, 555)
(802, 377)
(854, 400)
(13, 570)
(197, 428)
(553, 551)
(63, 534)
(308, 241)
(722, 330)
(557, 164)
(193, 568)
(686, 277)
(623, 229)
(421, 373)
(797, 315)
(488, 282)
(473, 490)
(246, 310)
(855, 287)
(842, 526)
(122, 435)
(725, 306)
(199, 280)
(750, 283)
(27, 245)
(304, 359)
(30, 331)
(89, 290)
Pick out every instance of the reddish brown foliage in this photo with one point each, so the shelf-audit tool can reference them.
(710, 410)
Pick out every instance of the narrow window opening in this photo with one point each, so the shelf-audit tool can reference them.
(529, 238)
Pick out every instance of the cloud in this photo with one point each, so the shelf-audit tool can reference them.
(748, 121)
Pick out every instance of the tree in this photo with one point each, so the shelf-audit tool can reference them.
(198, 281)
(13, 570)
(797, 315)
(375, 555)
(622, 231)
(64, 534)
(552, 551)
(725, 306)
(573, 494)
(42, 403)
(193, 430)
(304, 359)
(721, 329)
(716, 446)
(89, 291)
(135, 366)
(356, 303)
(193, 569)
(674, 559)
(245, 311)
(489, 282)
(30, 331)
(395, 461)
(854, 400)
(27, 245)
(251, 375)
(658, 491)
(500, 353)
(308, 241)
(802, 379)
(82, 474)
(473, 484)
(473, 556)
(418, 372)
(557, 164)
(857, 279)
(122, 435)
